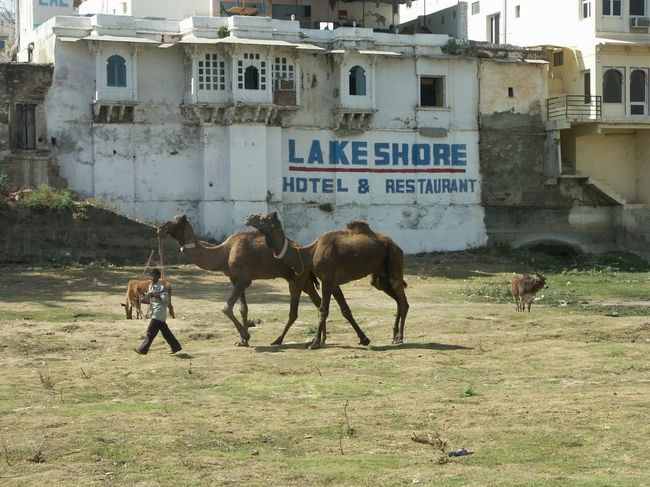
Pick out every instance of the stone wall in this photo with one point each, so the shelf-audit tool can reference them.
(85, 235)
(22, 83)
(523, 204)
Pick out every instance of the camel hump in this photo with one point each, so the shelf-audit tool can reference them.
(358, 226)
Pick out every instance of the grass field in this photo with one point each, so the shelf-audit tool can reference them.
(560, 396)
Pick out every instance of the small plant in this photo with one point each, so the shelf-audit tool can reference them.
(468, 392)
(437, 442)
(311, 329)
(47, 198)
(46, 380)
(223, 32)
(4, 183)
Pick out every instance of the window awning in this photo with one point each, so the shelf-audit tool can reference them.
(247, 41)
(69, 39)
(308, 47)
(380, 53)
(141, 40)
(366, 52)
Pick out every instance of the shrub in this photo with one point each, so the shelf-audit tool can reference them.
(48, 198)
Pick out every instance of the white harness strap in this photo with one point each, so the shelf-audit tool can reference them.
(190, 245)
(283, 251)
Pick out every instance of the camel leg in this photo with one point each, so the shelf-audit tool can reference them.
(295, 291)
(319, 340)
(383, 284)
(347, 314)
(240, 287)
(243, 311)
(309, 288)
(402, 311)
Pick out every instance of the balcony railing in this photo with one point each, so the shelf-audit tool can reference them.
(574, 107)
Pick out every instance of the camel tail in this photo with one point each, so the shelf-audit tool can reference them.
(392, 275)
(314, 279)
(395, 266)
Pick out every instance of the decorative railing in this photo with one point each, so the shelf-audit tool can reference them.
(574, 107)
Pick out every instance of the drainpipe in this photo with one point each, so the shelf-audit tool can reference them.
(17, 27)
(505, 21)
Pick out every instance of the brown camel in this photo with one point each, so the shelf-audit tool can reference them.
(338, 257)
(244, 257)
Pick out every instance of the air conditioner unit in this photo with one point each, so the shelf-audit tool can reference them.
(643, 22)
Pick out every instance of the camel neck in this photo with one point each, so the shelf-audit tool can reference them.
(290, 255)
(284, 249)
(209, 258)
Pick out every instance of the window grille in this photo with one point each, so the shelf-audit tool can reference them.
(116, 71)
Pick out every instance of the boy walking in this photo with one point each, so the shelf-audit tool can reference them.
(158, 298)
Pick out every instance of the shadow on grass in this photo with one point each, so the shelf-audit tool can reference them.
(372, 348)
(418, 346)
(183, 356)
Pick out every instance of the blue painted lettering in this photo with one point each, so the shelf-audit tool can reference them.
(288, 185)
(429, 186)
(337, 152)
(459, 155)
(400, 152)
(292, 153)
(313, 185)
(382, 154)
(421, 155)
(441, 154)
(360, 153)
(315, 153)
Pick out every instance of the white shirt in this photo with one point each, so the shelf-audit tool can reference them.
(158, 305)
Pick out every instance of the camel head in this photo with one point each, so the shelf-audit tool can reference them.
(267, 224)
(178, 228)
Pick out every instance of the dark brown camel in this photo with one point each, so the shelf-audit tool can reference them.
(244, 257)
(338, 257)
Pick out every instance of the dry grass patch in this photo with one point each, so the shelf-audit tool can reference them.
(554, 397)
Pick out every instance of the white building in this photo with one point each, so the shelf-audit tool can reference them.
(599, 90)
(218, 117)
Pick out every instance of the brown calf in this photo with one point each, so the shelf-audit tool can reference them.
(134, 293)
(523, 288)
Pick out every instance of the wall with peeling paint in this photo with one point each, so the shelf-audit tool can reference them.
(412, 172)
(524, 201)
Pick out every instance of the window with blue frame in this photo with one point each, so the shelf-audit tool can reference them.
(116, 71)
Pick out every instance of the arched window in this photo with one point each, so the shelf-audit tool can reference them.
(357, 81)
(251, 78)
(612, 86)
(638, 90)
(116, 71)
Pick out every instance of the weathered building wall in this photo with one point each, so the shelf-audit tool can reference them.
(524, 204)
(23, 137)
(411, 171)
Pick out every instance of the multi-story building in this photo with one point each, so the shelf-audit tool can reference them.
(441, 146)
(598, 99)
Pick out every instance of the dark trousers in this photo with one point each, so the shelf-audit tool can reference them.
(154, 327)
